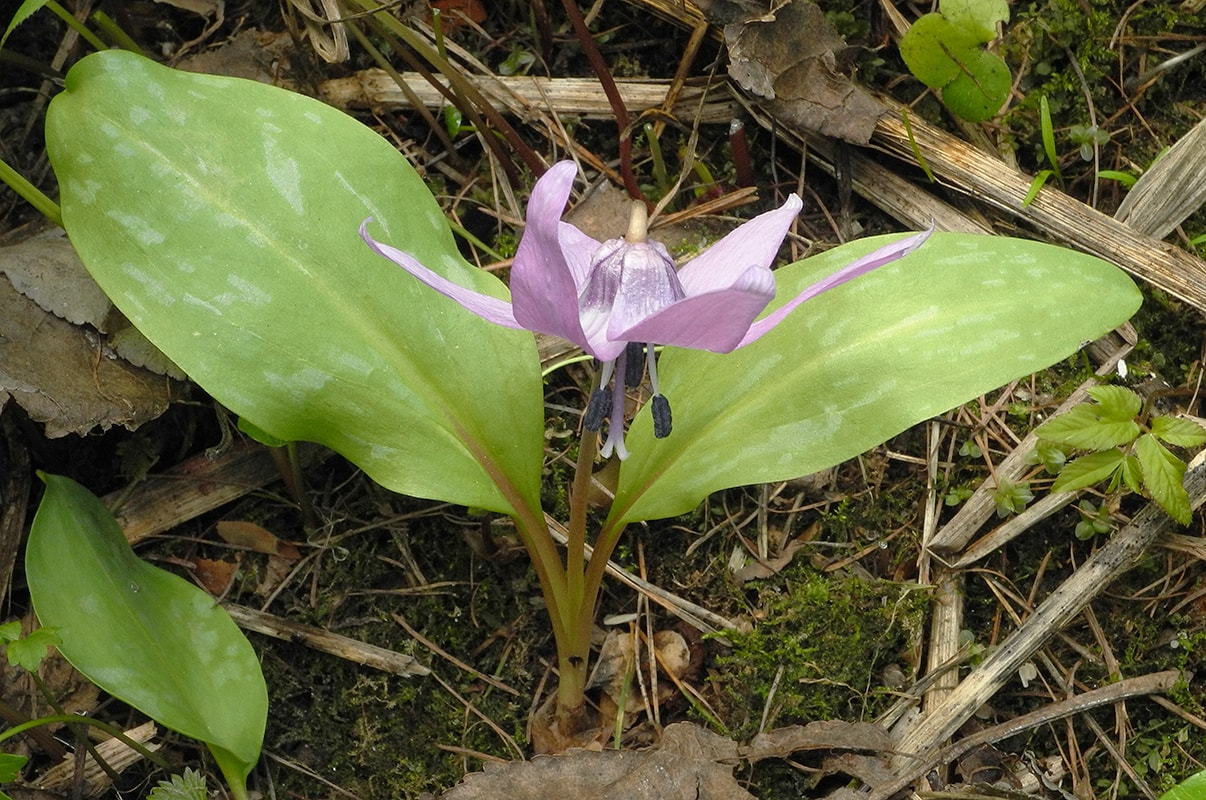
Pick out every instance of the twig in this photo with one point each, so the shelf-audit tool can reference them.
(433, 647)
(325, 641)
(1132, 687)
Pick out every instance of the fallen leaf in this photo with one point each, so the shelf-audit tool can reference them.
(46, 269)
(690, 763)
(756, 570)
(63, 376)
(214, 576)
(257, 538)
(455, 12)
(789, 59)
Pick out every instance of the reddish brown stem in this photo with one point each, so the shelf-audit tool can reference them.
(613, 96)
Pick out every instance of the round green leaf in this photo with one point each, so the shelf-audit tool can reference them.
(863, 362)
(142, 634)
(980, 89)
(934, 50)
(978, 16)
(221, 217)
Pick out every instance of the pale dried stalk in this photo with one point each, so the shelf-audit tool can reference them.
(529, 97)
(1109, 562)
(326, 642)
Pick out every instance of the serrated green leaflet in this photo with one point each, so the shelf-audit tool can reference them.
(1116, 402)
(854, 367)
(221, 216)
(1179, 431)
(1084, 428)
(1163, 477)
(1088, 470)
(142, 634)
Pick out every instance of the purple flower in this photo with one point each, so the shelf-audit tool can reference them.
(606, 296)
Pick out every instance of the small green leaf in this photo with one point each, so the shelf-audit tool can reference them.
(10, 768)
(1035, 186)
(1125, 178)
(190, 785)
(29, 652)
(1088, 470)
(142, 634)
(978, 16)
(981, 87)
(1050, 455)
(1085, 429)
(1011, 498)
(1132, 474)
(1116, 402)
(10, 631)
(1163, 477)
(933, 49)
(1048, 132)
(23, 12)
(1179, 431)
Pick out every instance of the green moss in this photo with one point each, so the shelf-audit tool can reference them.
(831, 637)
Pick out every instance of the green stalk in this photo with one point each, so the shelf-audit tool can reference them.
(105, 24)
(76, 719)
(31, 194)
(76, 25)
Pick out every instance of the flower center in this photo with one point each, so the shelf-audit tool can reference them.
(630, 279)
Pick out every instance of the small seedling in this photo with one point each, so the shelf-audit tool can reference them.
(27, 652)
(1127, 448)
(189, 785)
(1094, 520)
(945, 51)
(1011, 498)
(1089, 137)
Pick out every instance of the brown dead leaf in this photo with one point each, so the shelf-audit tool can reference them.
(790, 59)
(214, 576)
(690, 763)
(256, 538)
(64, 377)
(757, 570)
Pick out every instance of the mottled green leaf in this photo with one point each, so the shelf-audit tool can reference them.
(963, 315)
(221, 217)
(1163, 477)
(141, 633)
